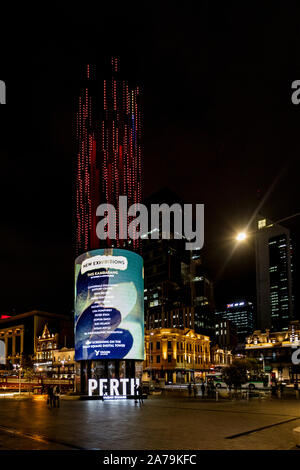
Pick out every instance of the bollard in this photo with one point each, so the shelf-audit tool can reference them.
(247, 395)
(297, 394)
(217, 395)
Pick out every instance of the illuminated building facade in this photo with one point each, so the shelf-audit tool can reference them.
(174, 355)
(109, 155)
(20, 334)
(46, 345)
(274, 269)
(63, 364)
(275, 349)
(221, 357)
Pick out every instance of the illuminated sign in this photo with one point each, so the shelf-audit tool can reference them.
(109, 305)
(113, 388)
(2, 352)
(238, 304)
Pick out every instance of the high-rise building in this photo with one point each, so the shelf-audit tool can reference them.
(178, 291)
(109, 154)
(241, 316)
(225, 333)
(202, 294)
(274, 269)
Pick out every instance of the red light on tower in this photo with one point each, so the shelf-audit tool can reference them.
(109, 152)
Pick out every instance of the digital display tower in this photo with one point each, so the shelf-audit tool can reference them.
(109, 314)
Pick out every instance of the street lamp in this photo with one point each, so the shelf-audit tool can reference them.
(241, 236)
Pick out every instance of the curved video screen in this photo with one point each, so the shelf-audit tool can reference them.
(109, 305)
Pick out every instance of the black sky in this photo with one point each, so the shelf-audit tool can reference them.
(219, 128)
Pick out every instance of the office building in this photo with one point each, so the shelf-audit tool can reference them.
(225, 334)
(274, 268)
(240, 314)
(178, 291)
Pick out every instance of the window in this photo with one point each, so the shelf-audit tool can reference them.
(169, 358)
(169, 344)
(158, 359)
(261, 223)
(158, 345)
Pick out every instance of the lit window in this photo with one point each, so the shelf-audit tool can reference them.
(261, 223)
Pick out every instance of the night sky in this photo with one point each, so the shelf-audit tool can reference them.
(219, 129)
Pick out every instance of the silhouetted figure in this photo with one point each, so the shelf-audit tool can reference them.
(140, 394)
(50, 400)
(136, 393)
(281, 389)
(190, 389)
(203, 389)
(195, 390)
(57, 396)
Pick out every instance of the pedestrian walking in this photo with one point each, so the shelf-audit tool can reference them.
(136, 393)
(57, 396)
(209, 389)
(140, 394)
(203, 389)
(213, 390)
(273, 389)
(50, 397)
(195, 390)
(190, 389)
(281, 388)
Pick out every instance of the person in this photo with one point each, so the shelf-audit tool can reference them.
(209, 389)
(136, 393)
(140, 394)
(57, 396)
(195, 390)
(203, 389)
(213, 390)
(190, 389)
(281, 388)
(50, 397)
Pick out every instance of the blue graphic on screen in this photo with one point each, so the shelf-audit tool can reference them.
(109, 305)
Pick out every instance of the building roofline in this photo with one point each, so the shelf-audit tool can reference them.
(32, 313)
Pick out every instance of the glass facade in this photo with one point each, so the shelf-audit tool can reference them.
(241, 315)
(279, 282)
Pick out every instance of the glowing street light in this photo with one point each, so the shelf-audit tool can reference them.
(241, 236)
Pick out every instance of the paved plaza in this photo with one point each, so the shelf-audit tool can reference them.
(170, 422)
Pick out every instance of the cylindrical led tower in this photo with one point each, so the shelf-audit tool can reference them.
(109, 320)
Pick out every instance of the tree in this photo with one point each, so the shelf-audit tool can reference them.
(28, 374)
(238, 372)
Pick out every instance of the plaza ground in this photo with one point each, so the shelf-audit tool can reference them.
(165, 422)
